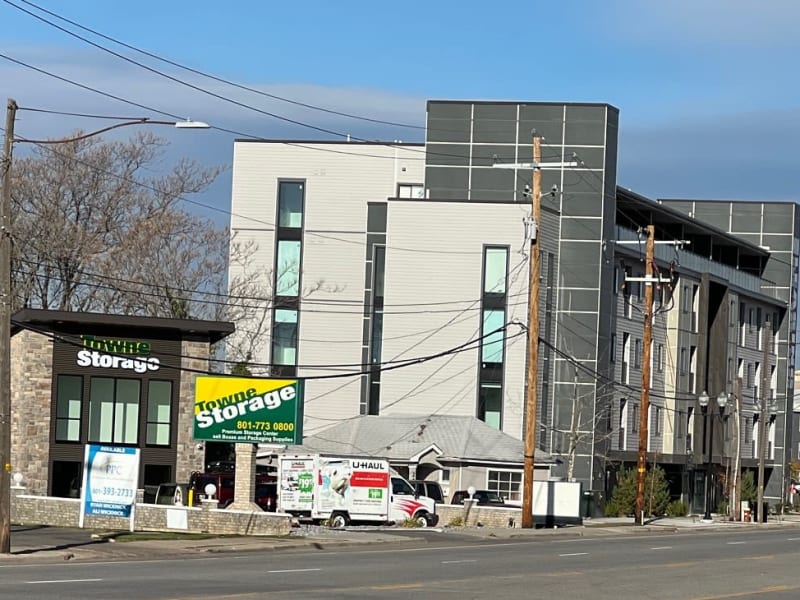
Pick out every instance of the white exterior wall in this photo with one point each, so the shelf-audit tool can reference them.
(447, 268)
(340, 180)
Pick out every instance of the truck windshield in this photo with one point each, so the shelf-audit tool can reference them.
(401, 486)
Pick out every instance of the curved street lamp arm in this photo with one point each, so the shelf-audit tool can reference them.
(143, 121)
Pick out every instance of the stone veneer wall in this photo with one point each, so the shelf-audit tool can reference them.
(190, 458)
(65, 512)
(31, 388)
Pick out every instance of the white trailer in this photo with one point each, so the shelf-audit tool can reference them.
(343, 489)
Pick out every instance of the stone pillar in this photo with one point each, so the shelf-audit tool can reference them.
(191, 453)
(245, 489)
(16, 490)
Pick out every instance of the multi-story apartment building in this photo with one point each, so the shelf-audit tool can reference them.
(407, 265)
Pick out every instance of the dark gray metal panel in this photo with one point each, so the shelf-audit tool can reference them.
(585, 125)
(778, 242)
(746, 217)
(578, 265)
(582, 229)
(447, 183)
(493, 184)
(376, 217)
(582, 204)
(547, 120)
(488, 155)
(578, 300)
(448, 154)
(779, 217)
(494, 123)
(577, 333)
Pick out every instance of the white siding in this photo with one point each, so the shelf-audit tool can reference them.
(446, 267)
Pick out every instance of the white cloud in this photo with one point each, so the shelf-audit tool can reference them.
(770, 23)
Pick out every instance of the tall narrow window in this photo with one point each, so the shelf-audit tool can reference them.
(742, 324)
(613, 349)
(287, 277)
(493, 318)
(159, 412)
(376, 335)
(683, 365)
(775, 333)
(693, 369)
(695, 306)
(637, 353)
(760, 328)
(622, 443)
(69, 390)
(661, 358)
(626, 358)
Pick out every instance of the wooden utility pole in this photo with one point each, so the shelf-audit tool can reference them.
(5, 333)
(533, 341)
(762, 423)
(644, 410)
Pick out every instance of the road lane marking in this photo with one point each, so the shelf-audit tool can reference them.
(792, 539)
(293, 570)
(575, 554)
(63, 580)
(735, 543)
(452, 562)
(774, 589)
(397, 586)
(662, 548)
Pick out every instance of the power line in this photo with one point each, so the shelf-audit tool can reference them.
(215, 77)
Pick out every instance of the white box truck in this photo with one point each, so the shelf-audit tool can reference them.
(346, 489)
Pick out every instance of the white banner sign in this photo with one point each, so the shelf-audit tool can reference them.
(110, 480)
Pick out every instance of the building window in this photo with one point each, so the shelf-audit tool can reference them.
(626, 358)
(376, 337)
(695, 306)
(492, 354)
(623, 424)
(287, 268)
(685, 300)
(613, 347)
(751, 314)
(742, 324)
(657, 420)
(284, 338)
(760, 326)
(616, 281)
(775, 333)
(69, 396)
(635, 417)
(291, 199)
(693, 369)
(748, 431)
(411, 190)
(637, 353)
(683, 365)
(507, 484)
(661, 358)
(114, 410)
(159, 413)
(733, 313)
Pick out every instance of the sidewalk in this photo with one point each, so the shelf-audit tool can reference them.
(102, 546)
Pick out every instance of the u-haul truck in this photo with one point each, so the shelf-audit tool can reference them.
(344, 489)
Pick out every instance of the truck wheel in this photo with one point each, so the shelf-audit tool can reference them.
(339, 520)
(424, 519)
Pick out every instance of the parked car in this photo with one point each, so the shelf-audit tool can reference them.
(265, 496)
(431, 489)
(484, 498)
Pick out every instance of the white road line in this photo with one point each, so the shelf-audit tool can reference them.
(453, 562)
(64, 581)
(293, 570)
(792, 539)
(735, 543)
(662, 548)
(575, 554)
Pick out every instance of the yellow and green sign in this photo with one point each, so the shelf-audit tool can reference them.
(247, 410)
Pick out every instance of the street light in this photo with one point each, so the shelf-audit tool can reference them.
(5, 297)
(722, 402)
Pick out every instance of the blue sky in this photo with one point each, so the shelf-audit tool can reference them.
(707, 89)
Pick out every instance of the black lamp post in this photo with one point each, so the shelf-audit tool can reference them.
(722, 401)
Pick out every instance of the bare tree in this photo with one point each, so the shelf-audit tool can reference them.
(97, 228)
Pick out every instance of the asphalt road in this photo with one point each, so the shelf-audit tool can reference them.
(687, 566)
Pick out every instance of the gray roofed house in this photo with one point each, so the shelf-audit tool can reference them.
(425, 446)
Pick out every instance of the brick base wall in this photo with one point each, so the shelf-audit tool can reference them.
(487, 516)
(65, 512)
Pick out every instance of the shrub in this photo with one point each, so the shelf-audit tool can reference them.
(410, 523)
(677, 509)
(623, 498)
(722, 507)
(749, 490)
(457, 521)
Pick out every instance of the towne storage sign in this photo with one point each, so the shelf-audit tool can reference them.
(247, 410)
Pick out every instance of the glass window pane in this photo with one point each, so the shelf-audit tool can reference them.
(490, 402)
(158, 434)
(69, 390)
(126, 419)
(494, 277)
(159, 401)
(101, 409)
(290, 204)
(284, 337)
(287, 277)
(492, 348)
(379, 267)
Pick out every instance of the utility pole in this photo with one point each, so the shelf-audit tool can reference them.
(644, 409)
(531, 400)
(531, 404)
(737, 459)
(5, 334)
(762, 422)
